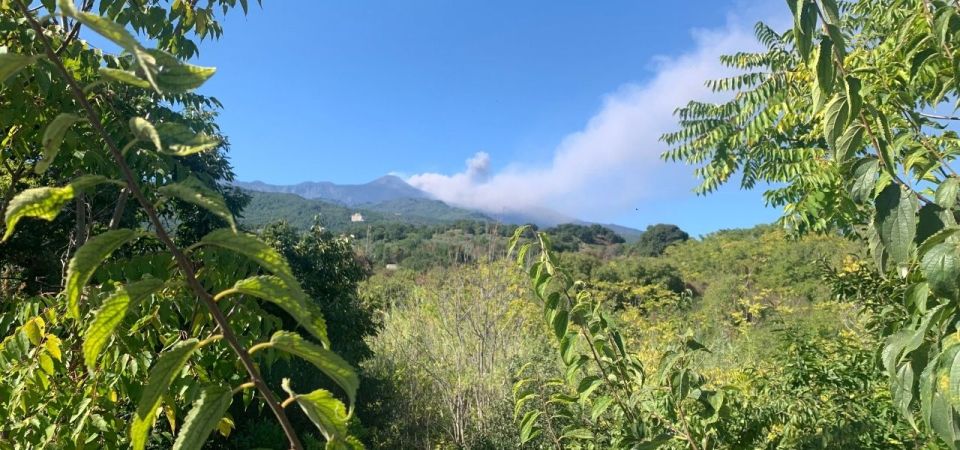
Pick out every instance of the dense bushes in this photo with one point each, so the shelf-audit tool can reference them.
(454, 337)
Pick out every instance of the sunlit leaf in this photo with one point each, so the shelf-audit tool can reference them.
(111, 313)
(175, 76)
(86, 261)
(941, 266)
(253, 248)
(289, 297)
(327, 361)
(145, 131)
(162, 373)
(180, 140)
(53, 138)
(124, 76)
(203, 418)
(11, 63)
(946, 195)
(193, 191)
(324, 410)
(45, 202)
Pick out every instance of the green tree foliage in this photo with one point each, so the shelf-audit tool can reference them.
(839, 114)
(568, 237)
(147, 324)
(656, 238)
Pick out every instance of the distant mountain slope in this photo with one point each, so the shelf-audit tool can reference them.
(382, 189)
(422, 209)
(386, 199)
(268, 207)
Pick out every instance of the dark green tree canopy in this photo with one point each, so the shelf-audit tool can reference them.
(656, 238)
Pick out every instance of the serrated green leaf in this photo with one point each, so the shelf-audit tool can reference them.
(203, 417)
(53, 138)
(587, 385)
(124, 76)
(943, 420)
(11, 63)
(288, 297)
(600, 406)
(854, 101)
(804, 24)
(45, 202)
(825, 69)
(324, 410)
(896, 221)
(830, 10)
(560, 323)
(941, 266)
(162, 373)
(86, 261)
(946, 195)
(145, 131)
(175, 76)
(835, 120)
(954, 381)
(111, 313)
(107, 28)
(864, 179)
(848, 144)
(839, 46)
(903, 390)
(929, 221)
(927, 379)
(937, 238)
(253, 248)
(180, 140)
(916, 296)
(327, 361)
(528, 426)
(918, 59)
(577, 433)
(193, 191)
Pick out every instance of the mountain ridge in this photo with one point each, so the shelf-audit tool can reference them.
(389, 197)
(385, 188)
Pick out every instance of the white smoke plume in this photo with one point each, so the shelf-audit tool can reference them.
(613, 163)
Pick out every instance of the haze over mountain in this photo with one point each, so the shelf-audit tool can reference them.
(383, 199)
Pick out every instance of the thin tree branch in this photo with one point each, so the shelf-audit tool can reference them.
(118, 210)
(185, 265)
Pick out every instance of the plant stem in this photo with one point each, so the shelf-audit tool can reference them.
(185, 265)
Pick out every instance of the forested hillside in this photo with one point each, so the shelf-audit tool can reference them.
(265, 208)
(145, 302)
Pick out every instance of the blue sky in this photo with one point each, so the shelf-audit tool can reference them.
(347, 91)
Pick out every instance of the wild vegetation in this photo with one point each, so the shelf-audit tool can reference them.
(138, 310)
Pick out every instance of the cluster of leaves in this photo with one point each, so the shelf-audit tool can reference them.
(194, 331)
(841, 114)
